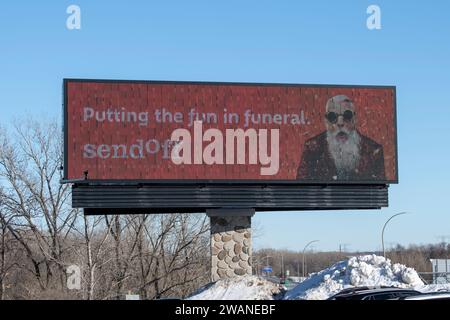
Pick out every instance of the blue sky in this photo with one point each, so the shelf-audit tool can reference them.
(259, 41)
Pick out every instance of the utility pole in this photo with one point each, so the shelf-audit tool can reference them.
(342, 247)
(267, 260)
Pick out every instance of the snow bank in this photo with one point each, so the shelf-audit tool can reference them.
(369, 270)
(240, 288)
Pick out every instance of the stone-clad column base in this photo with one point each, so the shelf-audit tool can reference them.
(231, 242)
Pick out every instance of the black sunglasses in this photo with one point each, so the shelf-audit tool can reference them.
(332, 117)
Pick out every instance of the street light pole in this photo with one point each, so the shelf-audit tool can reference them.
(384, 227)
(267, 259)
(257, 266)
(304, 249)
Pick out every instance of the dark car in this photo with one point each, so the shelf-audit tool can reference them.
(373, 293)
(429, 296)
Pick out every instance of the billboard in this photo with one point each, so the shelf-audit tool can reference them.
(201, 132)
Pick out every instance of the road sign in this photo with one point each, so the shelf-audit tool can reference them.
(267, 269)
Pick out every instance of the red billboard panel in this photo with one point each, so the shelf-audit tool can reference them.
(239, 132)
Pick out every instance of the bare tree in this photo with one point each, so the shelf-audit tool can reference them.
(91, 252)
(41, 235)
(173, 255)
(35, 203)
(6, 251)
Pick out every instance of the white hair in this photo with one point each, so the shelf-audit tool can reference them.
(345, 154)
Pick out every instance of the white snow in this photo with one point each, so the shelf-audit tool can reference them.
(369, 270)
(240, 288)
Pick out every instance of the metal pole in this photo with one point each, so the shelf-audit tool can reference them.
(304, 249)
(267, 261)
(384, 227)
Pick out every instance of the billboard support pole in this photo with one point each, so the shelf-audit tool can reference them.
(231, 242)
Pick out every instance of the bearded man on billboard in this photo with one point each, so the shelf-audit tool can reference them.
(341, 152)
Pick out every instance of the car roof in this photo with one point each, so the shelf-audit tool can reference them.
(429, 296)
(372, 289)
(357, 289)
(360, 291)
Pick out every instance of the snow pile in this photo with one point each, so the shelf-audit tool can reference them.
(239, 288)
(369, 270)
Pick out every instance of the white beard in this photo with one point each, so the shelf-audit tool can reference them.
(345, 155)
